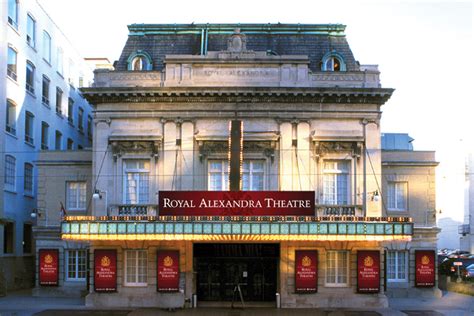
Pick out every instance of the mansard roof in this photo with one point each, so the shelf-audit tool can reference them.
(313, 40)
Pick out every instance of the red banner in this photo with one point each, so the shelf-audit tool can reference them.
(168, 271)
(306, 271)
(105, 270)
(48, 267)
(425, 268)
(368, 271)
(236, 203)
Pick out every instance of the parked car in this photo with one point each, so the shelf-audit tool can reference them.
(468, 273)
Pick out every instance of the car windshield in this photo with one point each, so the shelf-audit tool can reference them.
(470, 267)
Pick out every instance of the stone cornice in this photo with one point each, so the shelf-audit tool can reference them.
(236, 95)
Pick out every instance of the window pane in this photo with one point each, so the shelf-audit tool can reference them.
(10, 167)
(31, 31)
(30, 77)
(11, 66)
(47, 47)
(13, 12)
(11, 118)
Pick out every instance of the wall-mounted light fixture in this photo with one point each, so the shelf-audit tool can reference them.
(98, 194)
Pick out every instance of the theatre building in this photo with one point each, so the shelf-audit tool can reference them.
(231, 157)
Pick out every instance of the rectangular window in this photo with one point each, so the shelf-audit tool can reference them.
(136, 268)
(76, 265)
(10, 172)
(9, 237)
(253, 175)
(13, 13)
(44, 136)
(60, 60)
(89, 127)
(47, 47)
(76, 196)
(70, 144)
(30, 77)
(59, 100)
(80, 147)
(337, 268)
(11, 63)
(72, 73)
(218, 175)
(70, 110)
(336, 182)
(136, 181)
(31, 31)
(80, 120)
(45, 92)
(27, 238)
(11, 118)
(28, 179)
(29, 128)
(58, 140)
(397, 196)
(397, 266)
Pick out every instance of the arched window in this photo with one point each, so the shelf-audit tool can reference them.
(333, 62)
(139, 61)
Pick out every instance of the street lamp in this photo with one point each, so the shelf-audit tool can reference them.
(98, 196)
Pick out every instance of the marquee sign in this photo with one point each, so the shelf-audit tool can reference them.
(105, 270)
(236, 203)
(168, 271)
(48, 267)
(368, 271)
(425, 268)
(306, 271)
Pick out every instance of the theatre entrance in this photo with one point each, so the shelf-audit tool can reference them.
(220, 267)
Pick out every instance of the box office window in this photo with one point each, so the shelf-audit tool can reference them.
(337, 268)
(136, 182)
(76, 195)
(76, 265)
(397, 266)
(397, 196)
(136, 268)
(253, 175)
(336, 182)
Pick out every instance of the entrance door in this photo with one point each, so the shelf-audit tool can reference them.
(220, 267)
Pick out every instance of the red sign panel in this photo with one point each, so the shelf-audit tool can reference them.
(368, 271)
(105, 270)
(48, 267)
(425, 268)
(236, 203)
(168, 271)
(306, 271)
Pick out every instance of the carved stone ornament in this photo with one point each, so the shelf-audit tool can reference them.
(325, 147)
(120, 147)
(265, 147)
(237, 42)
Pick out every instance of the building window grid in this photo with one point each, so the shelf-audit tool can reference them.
(76, 265)
(47, 47)
(136, 267)
(29, 120)
(253, 175)
(337, 270)
(76, 195)
(44, 136)
(80, 119)
(12, 63)
(397, 196)
(45, 91)
(70, 110)
(10, 126)
(31, 31)
(336, 183)
(136, 181)
(13, 13)
(218, 175)
(397, 265)
(59, 101)
(58, 140)
(28, 179)
(10, 172)
(30, 77)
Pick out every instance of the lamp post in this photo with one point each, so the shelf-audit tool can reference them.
(98, 196)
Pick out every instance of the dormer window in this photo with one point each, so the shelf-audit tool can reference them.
(333, 62)
(140, 61)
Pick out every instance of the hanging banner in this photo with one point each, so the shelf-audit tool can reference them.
(48, 267)
(236, 203)
(168, 271)
(368, 271)
(105, 270)
(306, 271)
(425, 268)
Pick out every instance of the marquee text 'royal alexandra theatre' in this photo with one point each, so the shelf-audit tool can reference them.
(244, 155)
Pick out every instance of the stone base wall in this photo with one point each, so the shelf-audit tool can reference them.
(136, 297)
(16, 273)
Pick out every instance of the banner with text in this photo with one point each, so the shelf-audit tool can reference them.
(368, 271)
(236, 203)
(306, 271)
(168, 271)
(48, 267)
(425, 268)
(105, 270)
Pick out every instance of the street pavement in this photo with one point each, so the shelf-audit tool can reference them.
(21, 303)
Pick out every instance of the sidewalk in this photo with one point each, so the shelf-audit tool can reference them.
(23, 304)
